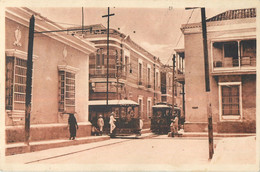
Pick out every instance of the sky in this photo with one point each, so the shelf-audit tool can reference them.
(155, 29)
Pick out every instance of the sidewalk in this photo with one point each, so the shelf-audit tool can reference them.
(239, 151)
(18, 148)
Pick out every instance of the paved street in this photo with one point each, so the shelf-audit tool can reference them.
(157, 152)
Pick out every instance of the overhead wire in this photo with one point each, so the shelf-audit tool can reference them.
(181, 35)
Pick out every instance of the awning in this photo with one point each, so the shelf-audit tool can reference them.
(113, 103)
(235, 36)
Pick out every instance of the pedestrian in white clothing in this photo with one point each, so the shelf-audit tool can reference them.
(112, 122)
(141, 124)
(100, 123)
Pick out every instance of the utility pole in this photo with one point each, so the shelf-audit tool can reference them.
(82, 20)
(173, 68)
(117, 75)
(154, 94)
(205, 48)
(29, 81)
(108, 15)
(207, 86)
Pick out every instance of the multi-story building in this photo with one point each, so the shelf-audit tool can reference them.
(134, 73)
(180, 79)
(231, 40)
(179, 84)
(59, 81)
(166, 84)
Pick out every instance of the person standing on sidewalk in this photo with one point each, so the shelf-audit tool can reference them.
(176, 124)
(73, 126)
(112, 122)
(100, 123)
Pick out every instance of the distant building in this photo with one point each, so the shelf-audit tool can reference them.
(134, 73)
(232, 65)
(180, 79)
(59, 82)
(166, 84)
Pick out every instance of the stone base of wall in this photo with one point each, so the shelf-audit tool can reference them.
(45, 132)
(236, 127)
(198, 127)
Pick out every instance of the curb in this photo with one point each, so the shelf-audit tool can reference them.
(19, 148)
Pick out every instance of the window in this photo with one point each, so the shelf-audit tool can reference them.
(99, 58)
(157, 79)
(66, 92)
(126, 65)
(148, 107)
(15, 83)
(148, 76)
(230, 100)
(140, 72)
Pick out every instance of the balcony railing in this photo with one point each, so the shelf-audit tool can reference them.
(229, 62)
(102, 73)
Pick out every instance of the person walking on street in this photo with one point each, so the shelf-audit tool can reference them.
(172, 128)
(112, 122)
(73, 126)
(100, 123)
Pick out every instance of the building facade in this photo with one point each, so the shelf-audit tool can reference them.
(166, 84)
(231, 40)
(59, 78)
(134, 73)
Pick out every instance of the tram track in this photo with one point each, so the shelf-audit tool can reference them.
(124, 139)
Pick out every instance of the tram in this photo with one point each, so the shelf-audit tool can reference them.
(162, 116)
(127, 118)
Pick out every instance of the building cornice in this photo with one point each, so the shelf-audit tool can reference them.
(18, 53)
(215, 26)
(68, 68)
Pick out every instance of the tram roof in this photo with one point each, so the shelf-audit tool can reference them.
(161, 106)
(113, 103)
(164, 106)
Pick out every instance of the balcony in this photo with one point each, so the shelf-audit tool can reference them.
(102, 73)
(235, 57)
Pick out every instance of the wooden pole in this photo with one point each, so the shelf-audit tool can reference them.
(108, 15)
(173, 68)
(205, 48)
(29, 81)
(207, 82)
(82, 20)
